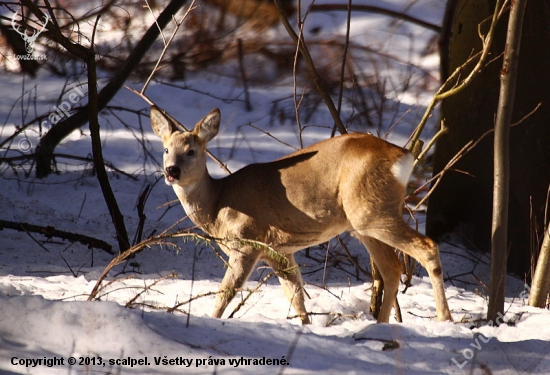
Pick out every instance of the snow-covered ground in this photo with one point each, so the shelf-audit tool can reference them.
(45, 319)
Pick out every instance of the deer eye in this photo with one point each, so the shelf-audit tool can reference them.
(165, 150)
(191, 153)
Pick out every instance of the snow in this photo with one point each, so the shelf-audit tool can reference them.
(44, 285)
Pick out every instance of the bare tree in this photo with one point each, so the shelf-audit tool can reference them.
(501, 185)
(541, 281)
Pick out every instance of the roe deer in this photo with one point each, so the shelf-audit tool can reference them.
(353, 182)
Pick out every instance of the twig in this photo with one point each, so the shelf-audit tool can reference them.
(352, 260)
(430, 144)
(156, 22)
(317, 80)
(297, 103)
(180, 304)
(192, 285)
(464, 150)
(343, 67)
(109, 165)
(331, 313)
(166, 45)
(243, 74)
(443, 92)
(146, 288)
(250, 292)
(141, 212)
(68, 265)
(272, 136)
(379, 10)
(164, 239)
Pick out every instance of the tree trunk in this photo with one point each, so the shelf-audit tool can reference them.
(501, 184)
(462, 203)
(541, 280)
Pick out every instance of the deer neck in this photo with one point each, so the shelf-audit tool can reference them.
(199, 200)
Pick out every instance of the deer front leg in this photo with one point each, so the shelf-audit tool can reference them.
(290, 278)
(241, 262)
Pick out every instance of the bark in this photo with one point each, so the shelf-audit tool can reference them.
(541, 281)
(501, 185)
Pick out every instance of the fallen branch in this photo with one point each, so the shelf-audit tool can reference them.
(50, 232)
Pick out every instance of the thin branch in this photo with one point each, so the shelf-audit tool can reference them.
(352, 259)
(343, 67)
(317, 80)
(272, 136)
(297, 103)
(250, 292)
(376, 9)
(166, 44)
(156, 23)
(443, 92)
(431, 143)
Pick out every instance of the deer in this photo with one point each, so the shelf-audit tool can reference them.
(353, 182)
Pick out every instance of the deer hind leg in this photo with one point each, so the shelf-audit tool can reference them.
(423, 249)
(291, 280)
(390, 268)
(241, 262)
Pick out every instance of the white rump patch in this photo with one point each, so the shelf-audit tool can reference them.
(402, 169)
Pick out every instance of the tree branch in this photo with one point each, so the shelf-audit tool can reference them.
(317, 80)
(47, 145)
(379, 10)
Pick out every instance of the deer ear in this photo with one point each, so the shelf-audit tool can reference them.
(208, 127)
(161, 125)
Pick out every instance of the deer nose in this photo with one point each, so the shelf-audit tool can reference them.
(173, 172)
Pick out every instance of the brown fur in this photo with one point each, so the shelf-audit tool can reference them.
(306, 198)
